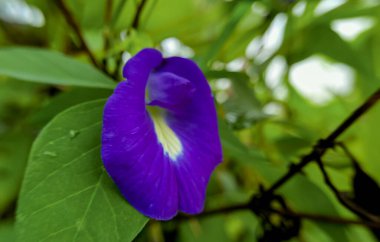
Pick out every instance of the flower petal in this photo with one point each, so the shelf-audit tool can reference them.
(161, 161)
(196, 125)
(136, 163)
(168, 90)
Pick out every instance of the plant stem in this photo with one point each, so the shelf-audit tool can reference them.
(320, 148)
(75, 26)
(350, 205)
(136, 19)
(308, 216)
(328, 219)
(315, 155)
(107, 31)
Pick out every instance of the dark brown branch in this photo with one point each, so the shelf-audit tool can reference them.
(348, 153)
(75, 26)
(344, 201)
(308, 216)
(354, 116)
(224, 210)
(321, 147)
(315, 155)
(328, 219)
(136, 19)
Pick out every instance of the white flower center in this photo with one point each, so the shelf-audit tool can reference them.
(166, 137)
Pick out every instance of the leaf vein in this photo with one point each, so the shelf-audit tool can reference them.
(59, 168)
(88, 207)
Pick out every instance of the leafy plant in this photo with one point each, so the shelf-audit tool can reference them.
(294, 168)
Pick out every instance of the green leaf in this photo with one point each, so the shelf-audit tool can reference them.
(45, 66)
(350, 9)
(243, 105)
(321, 39)
(237, 14)
(66, 194)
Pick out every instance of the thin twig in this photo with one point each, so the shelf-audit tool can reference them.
(135, 25)
(108, 12)
(136, 19)
(308, 216)
(223, 210)
(315, 155)
(354, 116)
(348, 153)
(75, 26)
(328, 219)
(107, 30)
(351, 206)
(321, 147)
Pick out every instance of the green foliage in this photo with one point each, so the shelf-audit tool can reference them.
(14, 148)
(7, 231)
(67, 195)
(52, 96)
(303, 193)
(50, 67)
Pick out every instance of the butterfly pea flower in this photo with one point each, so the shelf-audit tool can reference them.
(160, 140)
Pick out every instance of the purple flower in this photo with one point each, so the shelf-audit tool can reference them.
(160, 140)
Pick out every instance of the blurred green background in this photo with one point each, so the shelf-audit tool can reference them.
(284, 74)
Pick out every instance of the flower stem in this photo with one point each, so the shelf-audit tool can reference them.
(75, 26)
(136, 19)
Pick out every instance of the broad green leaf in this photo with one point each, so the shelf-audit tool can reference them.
(45, 66)
(66, 194)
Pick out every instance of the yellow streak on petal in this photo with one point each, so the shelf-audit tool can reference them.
(168, 139)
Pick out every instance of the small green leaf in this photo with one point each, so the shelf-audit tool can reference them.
(66, 194)
(45, 66)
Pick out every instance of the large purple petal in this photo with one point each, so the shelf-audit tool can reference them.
(196, 124)
(161, 160)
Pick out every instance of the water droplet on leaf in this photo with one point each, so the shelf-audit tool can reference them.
(73, 133)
